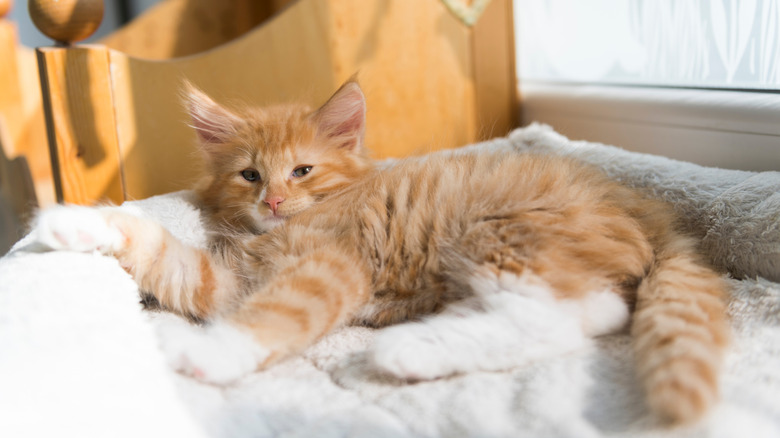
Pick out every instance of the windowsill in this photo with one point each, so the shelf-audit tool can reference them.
(731, 129)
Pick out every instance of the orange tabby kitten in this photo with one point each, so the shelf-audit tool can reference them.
(490, 260)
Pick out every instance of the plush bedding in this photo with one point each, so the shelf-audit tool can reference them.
(80, 357)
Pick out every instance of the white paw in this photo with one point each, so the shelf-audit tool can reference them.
(76, 228)
(412, 352)
(217, 353)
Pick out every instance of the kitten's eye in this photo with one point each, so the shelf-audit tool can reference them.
(300, 171)
(250, 174)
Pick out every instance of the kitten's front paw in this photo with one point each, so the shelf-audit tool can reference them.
(216, 353)
(76, 228)
(412, 352)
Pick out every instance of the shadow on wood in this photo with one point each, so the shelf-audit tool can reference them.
(17, 197)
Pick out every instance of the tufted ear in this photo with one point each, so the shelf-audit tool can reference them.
(343, 117)
(213, 123)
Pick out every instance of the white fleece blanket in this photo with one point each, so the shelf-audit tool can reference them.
(79, 357)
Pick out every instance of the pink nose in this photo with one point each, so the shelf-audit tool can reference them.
(274, 202)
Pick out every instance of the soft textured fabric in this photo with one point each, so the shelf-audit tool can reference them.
(79, 357)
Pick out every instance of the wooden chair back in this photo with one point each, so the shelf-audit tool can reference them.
(117, 129)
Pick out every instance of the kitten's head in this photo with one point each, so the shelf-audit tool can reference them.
(267, 164)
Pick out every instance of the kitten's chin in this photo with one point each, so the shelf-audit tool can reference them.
(270, 222)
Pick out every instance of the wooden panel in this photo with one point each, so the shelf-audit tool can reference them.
(17, 194)
(175, 28)
(77, 96)
(494, 70)
(17, 197)
(415, 65)
(414, 62)
(20, 111)
(282, 64)
(10, 95)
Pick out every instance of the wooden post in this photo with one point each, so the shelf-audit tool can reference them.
(78, 103)
(80, 122)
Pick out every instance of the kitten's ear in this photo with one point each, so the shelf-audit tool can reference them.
(343, 117)
(213, 123)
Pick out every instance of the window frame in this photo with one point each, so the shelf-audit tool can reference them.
(711, 127)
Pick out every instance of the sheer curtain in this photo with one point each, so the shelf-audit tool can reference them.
(686, 43)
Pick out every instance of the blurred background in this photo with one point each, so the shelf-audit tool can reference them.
(117, 13)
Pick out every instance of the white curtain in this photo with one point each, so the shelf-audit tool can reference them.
(698, 43)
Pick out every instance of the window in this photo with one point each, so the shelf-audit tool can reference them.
(697, 80)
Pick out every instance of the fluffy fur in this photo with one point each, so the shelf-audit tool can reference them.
(484, 253)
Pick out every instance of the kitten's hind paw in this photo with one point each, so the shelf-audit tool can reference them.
(217, 353)
(76, 228)
(411, 352)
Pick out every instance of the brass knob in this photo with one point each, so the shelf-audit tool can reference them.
(66, 21)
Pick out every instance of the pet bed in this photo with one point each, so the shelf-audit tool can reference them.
(79, 356)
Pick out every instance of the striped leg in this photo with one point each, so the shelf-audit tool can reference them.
(184, 279)
(310, 296)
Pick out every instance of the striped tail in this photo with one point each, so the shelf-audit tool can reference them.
(680, 331)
